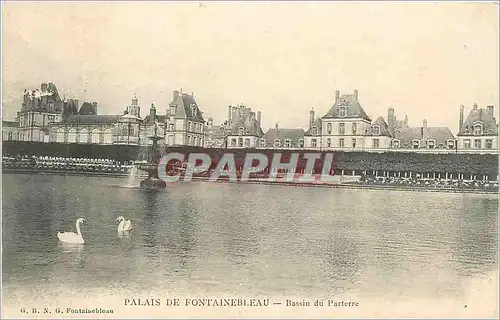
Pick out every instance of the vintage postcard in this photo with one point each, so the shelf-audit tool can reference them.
(259, 159)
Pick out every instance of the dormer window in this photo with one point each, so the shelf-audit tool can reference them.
(395, 144)
(431, 144)
(276, 143)
(478, 129)
(415, 144)
(451, 144)
(314, 131)
(376, 129)
(193, 110)
(288, 143)
(342, 110)
(172, 110)
(397, 131)
(241, 131)
(262, 142)
(301, 143)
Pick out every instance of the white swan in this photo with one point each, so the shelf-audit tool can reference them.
(71, 237)
(125, 225)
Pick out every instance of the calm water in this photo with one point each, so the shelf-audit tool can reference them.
(242, 239)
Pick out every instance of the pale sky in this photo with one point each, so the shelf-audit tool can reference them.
(423, 59)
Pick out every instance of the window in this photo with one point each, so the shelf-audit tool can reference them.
(276, 143)
(376, 129)
(288, 143)
(477, 144)
(328, 142)
(431, 144)
(233, 142)
(342, 128)
(301, 143)
(314, 131)
(395, 144)
(189, 126)
(329, 128)
(241, 130)
(466, 144)
(415, 144)
(108, 136)
(354, 143)
(489, 144)
(60, 135)
(341, 142)
(247, 142)
(376, 143)
(172, 110)
(95, 136)
(171, 127)
(397, 131)
(9, 136)
(478, 129)
(354, 128)
(240, 142)
(71, 136)
(314, 143)
(342, 111)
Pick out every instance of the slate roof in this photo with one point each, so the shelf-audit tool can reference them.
(318, 124)
(183, 109)
(384, 128)
(293, 134)
(87, 109)
(353, 108)
(484, 116)
(90, 119)
(440, 134)
(159, 118)
(245, 117)
(216, 132)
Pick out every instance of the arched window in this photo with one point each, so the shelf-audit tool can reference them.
(301, 143)
(376, 129)
(60, 135)
(276, 143)
(95, 136)
(84, 136)
(262, 142)
(108, 136)
(478, 129)
(72, 135)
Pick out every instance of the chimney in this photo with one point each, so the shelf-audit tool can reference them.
(229, 111)
(356, 94)
(311, 117)
(76, 103)
(390, 118)
(276, 126)
(490, 110)
(405, 122)
(258, 117)
(424, 123)
(475, 106)
(152, 113)
(94, 106)
(176, 95)
(43, 87)
(461, 119)
(235, 109)
(424, 131)
(337, 95)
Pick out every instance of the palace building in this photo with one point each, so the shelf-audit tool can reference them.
(184, 121)
(479, 131)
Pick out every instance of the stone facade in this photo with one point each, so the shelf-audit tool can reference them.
(479, 131)
(184, 122)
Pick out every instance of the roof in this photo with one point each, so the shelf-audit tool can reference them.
(293, 134)
(7, 123)
(384, 128)
(484, 116)
(159, 118)
(440, 134)
(87, 109)
(216, 132)
(318, 124)
(186, 107)
(90, 119)
(353, 108)
(243, 117)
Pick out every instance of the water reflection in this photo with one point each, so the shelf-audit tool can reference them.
(244, 238)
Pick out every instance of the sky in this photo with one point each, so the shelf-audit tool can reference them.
(423, 59)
